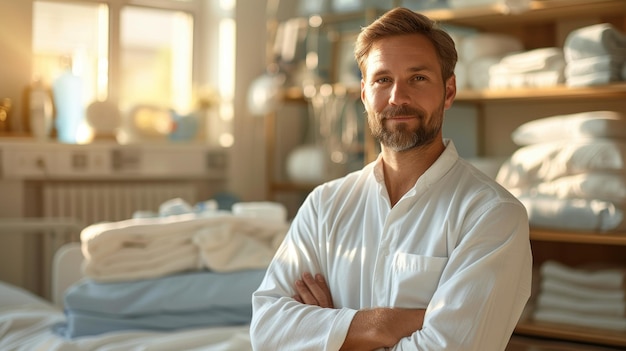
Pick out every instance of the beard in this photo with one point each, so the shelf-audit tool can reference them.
(400, 137)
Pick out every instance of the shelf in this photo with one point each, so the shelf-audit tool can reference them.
(610, 91)
(617, 239)
(571, 333)
(291, 186)
(483, 17)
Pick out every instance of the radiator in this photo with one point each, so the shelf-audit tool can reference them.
(83, 203)
(92, 202)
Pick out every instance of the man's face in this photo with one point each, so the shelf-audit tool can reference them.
(404, 93)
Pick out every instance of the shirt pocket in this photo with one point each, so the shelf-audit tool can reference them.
(414, 279)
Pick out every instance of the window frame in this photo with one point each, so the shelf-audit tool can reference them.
(192, 7)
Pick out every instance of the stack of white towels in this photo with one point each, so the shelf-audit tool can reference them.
(543, 67)
(593, 297)
(477, 52)
(499, 61)
(219, 241)
(595, 55)
(570, 171)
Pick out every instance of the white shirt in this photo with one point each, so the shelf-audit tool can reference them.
(456, 244)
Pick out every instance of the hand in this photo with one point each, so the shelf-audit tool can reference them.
(313, 291)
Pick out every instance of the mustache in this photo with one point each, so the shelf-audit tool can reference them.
(402, 110)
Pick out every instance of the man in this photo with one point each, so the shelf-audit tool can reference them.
(416, 251)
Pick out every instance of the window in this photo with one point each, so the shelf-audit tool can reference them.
(134, 53)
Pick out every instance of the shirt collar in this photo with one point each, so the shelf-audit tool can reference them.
(442, 165)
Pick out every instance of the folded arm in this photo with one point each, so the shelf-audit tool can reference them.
(370, 328)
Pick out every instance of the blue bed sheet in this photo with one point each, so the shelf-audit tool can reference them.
(184, 300)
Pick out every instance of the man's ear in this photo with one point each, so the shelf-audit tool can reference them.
(362, 91)
(450, 91)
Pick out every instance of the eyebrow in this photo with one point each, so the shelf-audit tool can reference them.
(413, 69)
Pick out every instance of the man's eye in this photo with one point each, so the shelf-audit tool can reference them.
(383, 80)
(419, 78)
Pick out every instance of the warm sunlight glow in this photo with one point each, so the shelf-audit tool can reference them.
(227, 140)
(182, 49)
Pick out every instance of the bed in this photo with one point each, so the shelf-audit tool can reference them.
(183, 282)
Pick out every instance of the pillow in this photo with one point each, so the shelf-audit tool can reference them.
(592, 124)
(543, 162)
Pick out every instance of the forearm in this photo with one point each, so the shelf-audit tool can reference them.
(382, 327)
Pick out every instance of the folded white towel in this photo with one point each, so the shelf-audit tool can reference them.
(589, 124)
(595, 307)
(554, 315)
(547, 161)
(525, 80)
(592, 79)
(103, 239)
(606, 278)
(478, 71)
(595, 40)
(542, 59)
(603, 186)
(144, 265)
(479, 45)
(566, 289)
(573, 214)
(237, 243)
(153, 247)
(507, 6)
(604, 63)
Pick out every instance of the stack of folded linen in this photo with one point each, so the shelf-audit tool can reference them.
(595, 55)
(594, 298)
(478, 52)
(174, 272)
(570, 171)
(542, 67)
(141, 248)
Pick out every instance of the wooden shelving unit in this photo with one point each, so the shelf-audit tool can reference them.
(489, 17)
(610, 91)
(611, 246)
(536, 28)
(572, 333)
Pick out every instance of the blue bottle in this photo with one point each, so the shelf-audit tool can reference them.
(67, 92)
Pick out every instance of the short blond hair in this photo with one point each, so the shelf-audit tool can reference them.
(402, 21)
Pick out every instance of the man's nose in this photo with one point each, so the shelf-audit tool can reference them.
(399, 94)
